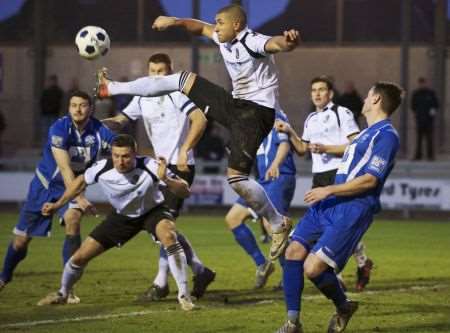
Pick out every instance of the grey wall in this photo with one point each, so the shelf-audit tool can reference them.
(363, 65)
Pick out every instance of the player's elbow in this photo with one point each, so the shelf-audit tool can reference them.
(371, 182)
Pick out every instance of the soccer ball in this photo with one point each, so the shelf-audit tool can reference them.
(92, 42)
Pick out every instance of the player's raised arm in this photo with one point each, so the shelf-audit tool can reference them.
(195, 27)
(73, 189)
(285, 43)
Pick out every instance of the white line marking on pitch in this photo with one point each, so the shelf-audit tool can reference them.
(148, 312)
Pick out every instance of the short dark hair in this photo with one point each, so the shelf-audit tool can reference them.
(124, 140)
(160, 58)
(391, 95)
(81, 94)
(237, 11)
(325, 79)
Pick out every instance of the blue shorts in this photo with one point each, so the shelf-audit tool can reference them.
(280, 191)
(31, 221)
(332, 228)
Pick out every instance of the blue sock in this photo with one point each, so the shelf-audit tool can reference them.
(293, 282)
(71, 244)
(329, 285)
(12, 259)
(244, 236)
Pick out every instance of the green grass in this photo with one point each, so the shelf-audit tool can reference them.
(406, 255)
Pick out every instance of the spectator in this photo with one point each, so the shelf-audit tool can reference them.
(351, 99)
(424, 104)
(51, 103)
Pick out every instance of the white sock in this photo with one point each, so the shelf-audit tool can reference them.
(71, 274)
(161, 278)
(149, 86)
(360, 254)
(178, 267)
(255, 196)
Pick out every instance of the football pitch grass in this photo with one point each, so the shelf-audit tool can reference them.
(409, 291)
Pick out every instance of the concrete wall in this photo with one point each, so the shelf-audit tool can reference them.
(363, 65)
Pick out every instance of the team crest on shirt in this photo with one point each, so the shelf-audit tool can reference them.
(377, 164)
(89, 140)
(57, 140)
(327, 117)
(237, 53)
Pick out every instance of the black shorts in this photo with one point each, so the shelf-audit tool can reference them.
(249, 123)
(324, 178)
(173, 202)
(118, 229)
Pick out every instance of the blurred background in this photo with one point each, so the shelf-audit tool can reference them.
(357, 42)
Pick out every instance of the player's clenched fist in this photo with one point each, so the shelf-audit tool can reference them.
(163, 22)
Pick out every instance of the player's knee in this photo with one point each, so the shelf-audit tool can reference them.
(20, 243)
(295, 251)
(72, 219)
(232, 221)
(311, 270)
(166, 233)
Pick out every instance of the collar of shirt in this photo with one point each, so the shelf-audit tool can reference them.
(327, 107)
(239, 36)
(380, 124)
(88, 128)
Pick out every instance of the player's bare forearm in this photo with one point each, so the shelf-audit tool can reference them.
(75, 187)
(282, 152)
(285, 43)
(298, 144)
(197, 127)
(193, 26)
(115, 123)
(356, 186)
(178, 187)
(63, 162)
(337, 150)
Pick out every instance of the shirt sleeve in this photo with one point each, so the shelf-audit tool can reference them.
(306, 136)
(184, 104)
(348, 123)
(280, 136)
(58, 136)
(91, 172)
(133, 111)
(257, 42)
(384, 149)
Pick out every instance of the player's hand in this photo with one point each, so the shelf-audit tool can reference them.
(317, 194)
(48, 209)
(282, 126)
(162, 168)
(292, 38)
(163, 22)
(182, 161)
(317, 148)
(272, 173)
(86, 206)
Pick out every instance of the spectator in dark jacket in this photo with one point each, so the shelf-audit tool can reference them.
(424, 104)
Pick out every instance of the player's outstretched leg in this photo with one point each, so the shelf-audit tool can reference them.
(365, 266)
(166, 233)
(255, 196)
(245, 238)
(16, 252)
(73, 270)
(145, 86)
